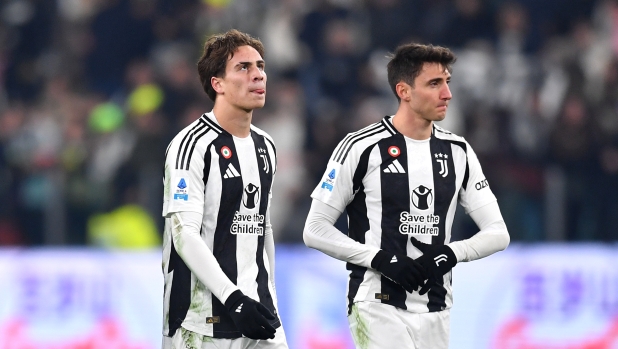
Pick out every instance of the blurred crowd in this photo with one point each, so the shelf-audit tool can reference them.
(92, 91)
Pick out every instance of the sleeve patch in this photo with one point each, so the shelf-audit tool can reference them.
(181, 193)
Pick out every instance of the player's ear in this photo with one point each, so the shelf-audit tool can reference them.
(403, 91)
(216, 84)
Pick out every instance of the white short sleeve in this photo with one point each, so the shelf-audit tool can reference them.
(183, 185)
(477, 192)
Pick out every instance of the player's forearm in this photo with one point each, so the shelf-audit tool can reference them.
(269, 243)
(198, 257)
(492, 237)
(269, 248)
(320, 234)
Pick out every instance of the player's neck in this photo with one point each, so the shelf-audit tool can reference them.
(235, 121)
(412, 126)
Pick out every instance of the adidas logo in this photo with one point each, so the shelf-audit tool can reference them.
(394, 167)
(239, 308)
(394, 260)
(440, 258)
(231, 172)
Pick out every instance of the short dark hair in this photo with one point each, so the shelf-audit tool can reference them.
(218, 49)
(407, 61)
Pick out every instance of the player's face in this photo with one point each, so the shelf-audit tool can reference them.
(244, 84)
(430, 95)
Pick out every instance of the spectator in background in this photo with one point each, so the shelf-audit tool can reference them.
(574, 146)
(81, 54)
(470, 21)
(607, 119)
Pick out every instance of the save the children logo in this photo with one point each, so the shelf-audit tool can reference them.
(251, 196)
(422, 197)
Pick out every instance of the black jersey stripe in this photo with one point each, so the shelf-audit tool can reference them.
(358, 225)
(225, 244)
(346, 145)
(193, 144)
(358, 139)
(266, 177)
(180, 294)
(395, 199)
(207, 163)
(186, 140)
(444, 181)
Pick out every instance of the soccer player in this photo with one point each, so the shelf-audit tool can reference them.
(218, 249)
(400, 180)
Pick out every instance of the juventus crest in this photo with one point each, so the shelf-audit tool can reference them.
(442, 160)
(262, 152)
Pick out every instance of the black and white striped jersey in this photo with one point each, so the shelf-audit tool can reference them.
(229, 180)
(394, 187)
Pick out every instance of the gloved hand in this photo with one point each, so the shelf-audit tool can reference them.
(400, 269)
(436, 259)
(250, 317)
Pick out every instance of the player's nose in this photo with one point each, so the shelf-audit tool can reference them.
(445, 93)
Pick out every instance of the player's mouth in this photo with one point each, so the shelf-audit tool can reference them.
(259, 91)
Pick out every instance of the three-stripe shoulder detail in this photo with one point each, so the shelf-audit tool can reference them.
(348, 142)
(190, 139)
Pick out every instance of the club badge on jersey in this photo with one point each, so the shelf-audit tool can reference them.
(442, 159)
(264, 157)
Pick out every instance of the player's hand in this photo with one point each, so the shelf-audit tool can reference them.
(400, 269)
(437, 259)
(250, 317)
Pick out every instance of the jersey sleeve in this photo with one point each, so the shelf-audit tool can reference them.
(476, 193)
(336, 185)
(184, 184)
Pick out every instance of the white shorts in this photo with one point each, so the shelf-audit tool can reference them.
(185, 339)
(382, 326)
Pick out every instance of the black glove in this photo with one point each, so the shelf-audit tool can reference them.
(400, 269)
(436, 259)
(250, 317)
